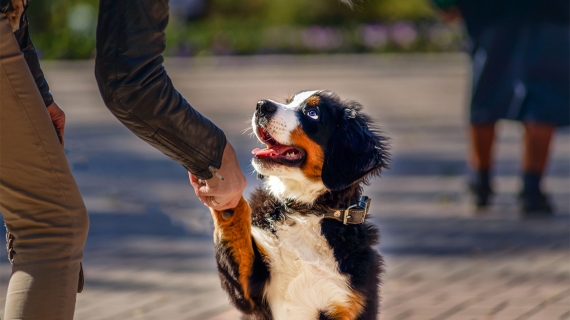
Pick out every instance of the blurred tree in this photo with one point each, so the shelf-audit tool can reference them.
(297, 26)
(65, 29)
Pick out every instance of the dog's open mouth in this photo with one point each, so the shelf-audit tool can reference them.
(276, 152)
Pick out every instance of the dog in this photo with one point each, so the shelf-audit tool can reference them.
(301, 248)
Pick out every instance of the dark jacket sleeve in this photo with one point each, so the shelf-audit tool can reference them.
(136, 89)
(31, 57)
(4, 5)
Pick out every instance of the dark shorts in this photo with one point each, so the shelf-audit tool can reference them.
(521, 72)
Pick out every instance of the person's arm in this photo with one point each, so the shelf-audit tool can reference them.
(137, 90)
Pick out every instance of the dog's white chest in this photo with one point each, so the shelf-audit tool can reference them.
(304, 273)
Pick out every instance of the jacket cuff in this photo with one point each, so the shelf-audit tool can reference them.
(200, 159)
(216, 163)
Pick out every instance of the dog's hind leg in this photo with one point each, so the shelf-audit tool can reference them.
(243, 272)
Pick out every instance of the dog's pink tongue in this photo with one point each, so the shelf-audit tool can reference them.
(270, 152)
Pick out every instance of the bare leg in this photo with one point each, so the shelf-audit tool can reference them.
(537, 140)
(482, 141)
(482, 138)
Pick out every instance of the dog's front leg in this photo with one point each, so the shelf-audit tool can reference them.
(238, 257)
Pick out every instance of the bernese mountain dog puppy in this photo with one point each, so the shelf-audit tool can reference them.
(301, 248)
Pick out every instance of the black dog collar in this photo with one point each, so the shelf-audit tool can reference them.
(354, 214)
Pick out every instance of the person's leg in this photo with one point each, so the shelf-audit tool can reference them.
(537, 140)
(481, 161)
(39, 199)
(482, 138)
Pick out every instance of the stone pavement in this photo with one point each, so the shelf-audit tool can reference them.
(149, 252)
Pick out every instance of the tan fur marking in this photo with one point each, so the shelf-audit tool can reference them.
(236, 231)
(289, 99)
(313, 101)
(313, 166)
(350, 311)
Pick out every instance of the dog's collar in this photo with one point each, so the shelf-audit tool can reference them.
(354, 214)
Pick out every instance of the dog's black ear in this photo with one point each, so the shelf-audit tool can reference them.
(355, 151)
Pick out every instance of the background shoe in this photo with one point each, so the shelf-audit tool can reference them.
(534, 202)
(480, 188)
(535, 205)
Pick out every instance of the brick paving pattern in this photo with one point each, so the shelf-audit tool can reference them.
(149, 253)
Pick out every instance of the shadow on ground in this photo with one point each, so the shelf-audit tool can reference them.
(423, 236)
(458, 236)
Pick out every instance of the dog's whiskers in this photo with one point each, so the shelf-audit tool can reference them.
(253, 172)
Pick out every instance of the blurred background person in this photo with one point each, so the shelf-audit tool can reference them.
(520, 71)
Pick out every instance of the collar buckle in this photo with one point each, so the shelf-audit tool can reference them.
(356, 213)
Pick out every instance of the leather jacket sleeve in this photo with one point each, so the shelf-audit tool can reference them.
(30, 55)
(137, 90)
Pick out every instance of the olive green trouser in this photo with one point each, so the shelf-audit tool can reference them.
(39, 199)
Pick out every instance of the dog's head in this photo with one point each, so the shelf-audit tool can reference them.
(315, 143)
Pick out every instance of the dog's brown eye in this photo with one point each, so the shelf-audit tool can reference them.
(313, 114)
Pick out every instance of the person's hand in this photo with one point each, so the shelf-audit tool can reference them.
(15, 13)
(58, 119)
(218, 194)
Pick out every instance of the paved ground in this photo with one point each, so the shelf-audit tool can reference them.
(149, 252)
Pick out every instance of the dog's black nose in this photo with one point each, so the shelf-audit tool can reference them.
(266, 107)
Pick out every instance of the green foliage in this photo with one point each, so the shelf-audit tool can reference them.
(414, 10)
(65, 29)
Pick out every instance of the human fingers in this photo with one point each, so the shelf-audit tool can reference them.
(199, 186)
(225, 188)
(194, 181)
(214, 202)
(204, 187)
(233, 183)
(202, 191)
(219, 203)
(58, 119)
(230, 203)
(215, 195)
